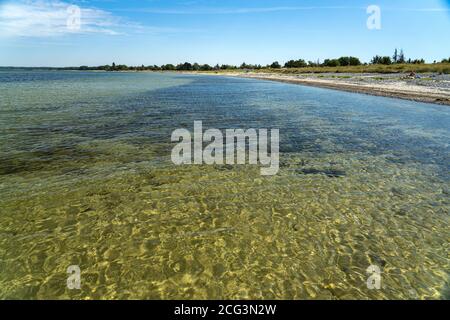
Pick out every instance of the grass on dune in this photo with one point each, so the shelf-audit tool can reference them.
(376, 68)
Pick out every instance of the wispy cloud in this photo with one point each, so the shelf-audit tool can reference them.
(50, 18)
(231, 11)
(204, 11)
(422, 9)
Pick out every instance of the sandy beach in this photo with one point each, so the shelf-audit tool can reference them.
(430, 88)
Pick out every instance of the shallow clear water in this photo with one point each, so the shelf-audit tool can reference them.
(86, 179)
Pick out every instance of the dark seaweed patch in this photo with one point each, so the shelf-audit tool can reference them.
(225, 167)
(331, 173)
(377, 260)
(42, 159)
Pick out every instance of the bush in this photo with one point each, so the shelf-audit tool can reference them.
(206, 67)
(331, 63)
(168, 67)
(349, 61)
(185, 67)
(275, 65)
(386, 60)
(300, 63)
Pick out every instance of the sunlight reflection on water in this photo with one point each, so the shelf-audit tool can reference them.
(86, 179)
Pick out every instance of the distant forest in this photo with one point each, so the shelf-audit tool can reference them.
(397, 58)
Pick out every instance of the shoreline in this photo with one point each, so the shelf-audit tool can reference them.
(397, 88)
(431, 88)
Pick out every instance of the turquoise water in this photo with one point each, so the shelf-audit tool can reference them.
(86, 179)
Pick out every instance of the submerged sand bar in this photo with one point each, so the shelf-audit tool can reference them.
(431, 88)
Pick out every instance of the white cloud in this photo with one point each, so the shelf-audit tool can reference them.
(50, 18)
(206, 11)
(234, 11)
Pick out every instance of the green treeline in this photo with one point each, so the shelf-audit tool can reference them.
(397, 58)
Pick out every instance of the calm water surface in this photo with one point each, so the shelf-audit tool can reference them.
(86, 179)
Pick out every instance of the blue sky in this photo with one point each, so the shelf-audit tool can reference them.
(35, 33)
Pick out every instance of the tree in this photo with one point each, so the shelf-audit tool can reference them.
(395, 56)
(344, 61)
(275, 65)
(314, 64)
(206, 67)
(417, 61)
(331, 63)
(376, 60)
(300, 63)
(226, 66)
(169, 67)
(386, 60)
(185, 67)
(401, 57)
(349, 61)
(381, 60)
(354, 61)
